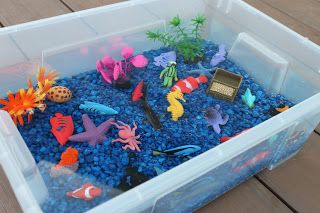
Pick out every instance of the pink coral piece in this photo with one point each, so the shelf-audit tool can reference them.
(128, 136)
(127, 52)
(117, 70)
(108, 61)
(139, 61)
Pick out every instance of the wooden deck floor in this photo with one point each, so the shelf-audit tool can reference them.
(292, 187)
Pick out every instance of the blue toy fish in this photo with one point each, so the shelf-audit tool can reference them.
(248, 98)
(178, 151)
(98, 108)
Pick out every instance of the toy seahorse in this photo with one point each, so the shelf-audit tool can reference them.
(175, 107)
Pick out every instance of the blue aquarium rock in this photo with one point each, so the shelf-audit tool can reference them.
(105, 164)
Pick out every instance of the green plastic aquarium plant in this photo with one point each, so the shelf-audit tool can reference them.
(187, 41)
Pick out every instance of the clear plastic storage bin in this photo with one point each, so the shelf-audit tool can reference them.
(276, 57)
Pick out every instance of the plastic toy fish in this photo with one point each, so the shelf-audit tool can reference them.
(214, 118)
(152, 117)
(93, 135)
(189, 84)
(219, 56)
(87, 192)
(137, 92)
(178, 151)
(68, 163)
(176, 108)
(164, 58)
(279, 109)
(62, 127)
(132, 179)
(202, 70)
(98, 108)
(169, 74)
(248, 98)
(258, 157)
(140, 94)
(225, 138)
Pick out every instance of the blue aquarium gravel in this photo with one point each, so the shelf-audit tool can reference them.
(106, 165)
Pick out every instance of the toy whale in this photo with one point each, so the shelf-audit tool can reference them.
(98, 108)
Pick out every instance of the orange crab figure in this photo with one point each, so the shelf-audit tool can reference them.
(25, 101)
(128, 136)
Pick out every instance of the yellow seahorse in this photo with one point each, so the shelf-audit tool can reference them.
(175, 107)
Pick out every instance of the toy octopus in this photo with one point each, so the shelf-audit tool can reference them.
(169, 74)
(128, 136)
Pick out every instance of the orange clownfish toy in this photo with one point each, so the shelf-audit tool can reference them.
(87, 192)
(189, 84)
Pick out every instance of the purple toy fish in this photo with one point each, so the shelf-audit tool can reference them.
(214, 118)
(219, 56)
(164, 58)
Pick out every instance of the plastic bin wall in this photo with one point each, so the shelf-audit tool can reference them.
(255, 41)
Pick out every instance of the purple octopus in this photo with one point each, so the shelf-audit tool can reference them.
(214, 118)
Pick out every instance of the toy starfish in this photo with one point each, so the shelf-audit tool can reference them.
(202, 70)
(93, 134)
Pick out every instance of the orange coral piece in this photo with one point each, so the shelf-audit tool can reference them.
(25, 101)
(68, 157)
(50, 76)
(22, 103)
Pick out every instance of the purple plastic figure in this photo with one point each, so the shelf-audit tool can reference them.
(164, 58)
(116, 70)
(93, 134)
(214, 118)
(219, 56)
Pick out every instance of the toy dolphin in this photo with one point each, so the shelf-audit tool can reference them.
(178, 151)
(219, 57)
(98, 108)
(248, 98)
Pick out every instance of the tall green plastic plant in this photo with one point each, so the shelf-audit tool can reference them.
(186, 41)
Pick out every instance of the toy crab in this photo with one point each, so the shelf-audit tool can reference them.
(128, 136)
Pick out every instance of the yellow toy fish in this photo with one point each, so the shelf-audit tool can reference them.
(176, 108)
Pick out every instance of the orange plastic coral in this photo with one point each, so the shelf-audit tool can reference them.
(25, 101)
(68, 157)
(50, 76)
